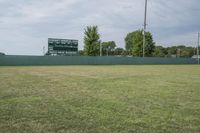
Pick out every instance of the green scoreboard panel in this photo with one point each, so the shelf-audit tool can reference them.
(62, 46)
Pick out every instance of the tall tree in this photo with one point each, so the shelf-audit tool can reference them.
(108, 47)
(134, 44)
(91, 41)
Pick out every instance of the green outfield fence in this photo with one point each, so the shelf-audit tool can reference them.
(11, 60)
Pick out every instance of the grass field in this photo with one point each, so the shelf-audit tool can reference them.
(100, 99)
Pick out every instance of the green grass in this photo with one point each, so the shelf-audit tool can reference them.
(100, 99)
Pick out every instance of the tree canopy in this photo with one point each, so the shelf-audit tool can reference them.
(119, 51)
(175, 51)
(91, 41)
(134, 43)
(108, 48)
(133, 46)
(1, 53)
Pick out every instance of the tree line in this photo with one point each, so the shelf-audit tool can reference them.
(93, 46)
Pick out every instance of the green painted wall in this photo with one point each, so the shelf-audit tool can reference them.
(11, 60)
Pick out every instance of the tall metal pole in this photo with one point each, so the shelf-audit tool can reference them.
(144, 30)
(100, 49)
(198, 48)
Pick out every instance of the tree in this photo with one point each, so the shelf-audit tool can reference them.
(81, 52)
(185, 51)
(134, 43)
(159, 51)
(1, 53)
(108, 47)
(180, 51)
(91, 41)
(118, 51)
(172, 51)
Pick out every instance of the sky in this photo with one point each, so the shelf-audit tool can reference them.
(26, 25)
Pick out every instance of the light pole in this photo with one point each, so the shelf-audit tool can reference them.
(198, 48)
(100, 49)
(144, 30)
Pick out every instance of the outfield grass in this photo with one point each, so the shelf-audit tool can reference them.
(100, 99)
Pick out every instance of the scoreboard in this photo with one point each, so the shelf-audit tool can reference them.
(62, 46)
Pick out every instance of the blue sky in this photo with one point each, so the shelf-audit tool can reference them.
(25, 25)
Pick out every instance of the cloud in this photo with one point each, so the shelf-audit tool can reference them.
(175, 22)
(26, 25)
